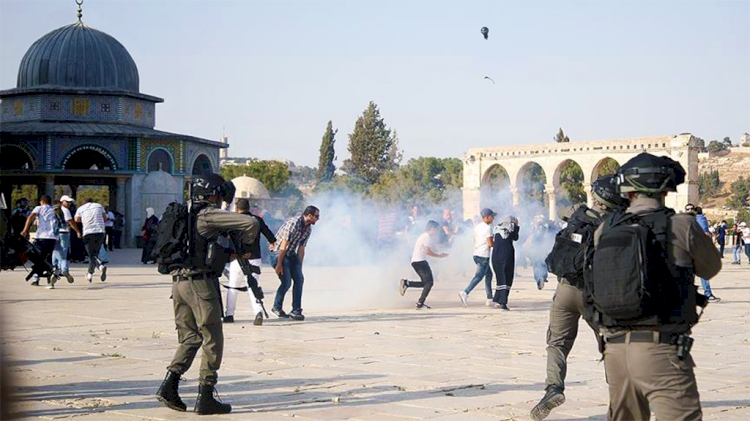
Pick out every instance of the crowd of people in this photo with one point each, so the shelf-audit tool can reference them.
(590, 252)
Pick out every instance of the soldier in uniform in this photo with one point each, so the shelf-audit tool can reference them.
(647, 362)
(196, 296)
(567, 303)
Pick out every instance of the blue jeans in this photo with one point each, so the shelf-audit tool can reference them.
(60, 254)
(292, 271)
(483, 271)
(737, 253)
(747, 251)
(540, 270)
(706, 287)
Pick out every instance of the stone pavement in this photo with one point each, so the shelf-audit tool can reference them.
(98, 351)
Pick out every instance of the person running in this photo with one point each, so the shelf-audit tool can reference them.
(45, 237)
(504, 259)
(482, 245)
(424, 247)
(93, 216)
(60, 254)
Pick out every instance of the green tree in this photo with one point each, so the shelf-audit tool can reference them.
(327, 155)
(740, 192)
(273, 174)
(373, 147)
(716, 146)
(701, 144)
(532, 184)
(608, 167)
(727, 142)
(571, 180)
(424, 180)
(560, 137)
(708, 184)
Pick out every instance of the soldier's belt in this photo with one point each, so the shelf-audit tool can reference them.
(645, 336)
(181, 278)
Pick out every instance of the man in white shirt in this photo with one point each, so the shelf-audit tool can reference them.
(45, 237)
(60, 255)
(482, 244)
(109, 229)
(93, 216)
(424, 247)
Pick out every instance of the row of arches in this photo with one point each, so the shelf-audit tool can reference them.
(95, 158)
(532, 188)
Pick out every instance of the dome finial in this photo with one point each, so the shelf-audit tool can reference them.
(80, 10)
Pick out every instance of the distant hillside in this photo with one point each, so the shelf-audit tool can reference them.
(730, 166)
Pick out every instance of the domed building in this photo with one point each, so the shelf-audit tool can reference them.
(250, 188)
(77, 118)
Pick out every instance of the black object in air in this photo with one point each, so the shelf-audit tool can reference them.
(485, 32)
(490, 79)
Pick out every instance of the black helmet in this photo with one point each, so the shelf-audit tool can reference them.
(212, 184)
(650, 174)
(605, 192)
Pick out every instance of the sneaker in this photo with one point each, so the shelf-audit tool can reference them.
(552, 399)
(297, 315)
(464, 298)
(258, 319)
(281, 314)
(89, 277)
(540, 283)
(503, 307)
(35, 282)
(489, 303)
(402, 286)
(492, 304)
(69, 277)
(421, 306)
(712, 298)
(228, 319)
(51, 286)
(103, 276)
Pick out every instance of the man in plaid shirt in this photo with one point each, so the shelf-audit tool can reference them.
(287, 258)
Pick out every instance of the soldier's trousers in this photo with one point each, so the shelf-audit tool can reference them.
(566, 310)
(197, 316)
(647, 374)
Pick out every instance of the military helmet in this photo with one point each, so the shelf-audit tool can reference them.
(650, 174)
(604, 191)
(212, 184)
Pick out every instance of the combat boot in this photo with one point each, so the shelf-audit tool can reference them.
(167, 393)
(206, 404)
(552, 399)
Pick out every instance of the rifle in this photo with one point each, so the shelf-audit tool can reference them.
(248, 270)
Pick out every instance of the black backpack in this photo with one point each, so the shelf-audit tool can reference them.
(60, 222)
(567, 257)
(631, 277)
(172, 246)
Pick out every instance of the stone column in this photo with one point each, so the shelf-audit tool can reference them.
(589, 196)
(516, 196)
(552, 200)
(49, 186)
(471, 204)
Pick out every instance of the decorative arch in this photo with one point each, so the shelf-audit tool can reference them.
(531, 184)
(16, 157)
(160, 159)
(568, 183)
(602, 166)
(495, 190)
(104, 160)
(201, 164)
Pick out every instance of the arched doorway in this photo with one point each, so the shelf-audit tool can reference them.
(202, 165)
(568, 184)
(607, 166)
(89, 158)
(530, 187)
(495, 189)
(159, 159)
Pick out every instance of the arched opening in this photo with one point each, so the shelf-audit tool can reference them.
(495, 189)
(202, 165)
(89, 158)
(15, 157)
(530, 189)
(607, 166)
(159, 159)
(568, 183)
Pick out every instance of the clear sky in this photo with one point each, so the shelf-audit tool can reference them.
(274, 72)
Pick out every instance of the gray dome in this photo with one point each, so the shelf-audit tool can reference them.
(77, 56)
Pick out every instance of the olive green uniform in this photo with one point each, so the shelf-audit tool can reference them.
(641, 364)
(197, 301)
(564, 313)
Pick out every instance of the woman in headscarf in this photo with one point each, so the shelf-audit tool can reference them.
(504, 259)
(149, 236)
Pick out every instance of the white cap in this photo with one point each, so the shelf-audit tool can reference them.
(66, 198)
(742, 224)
